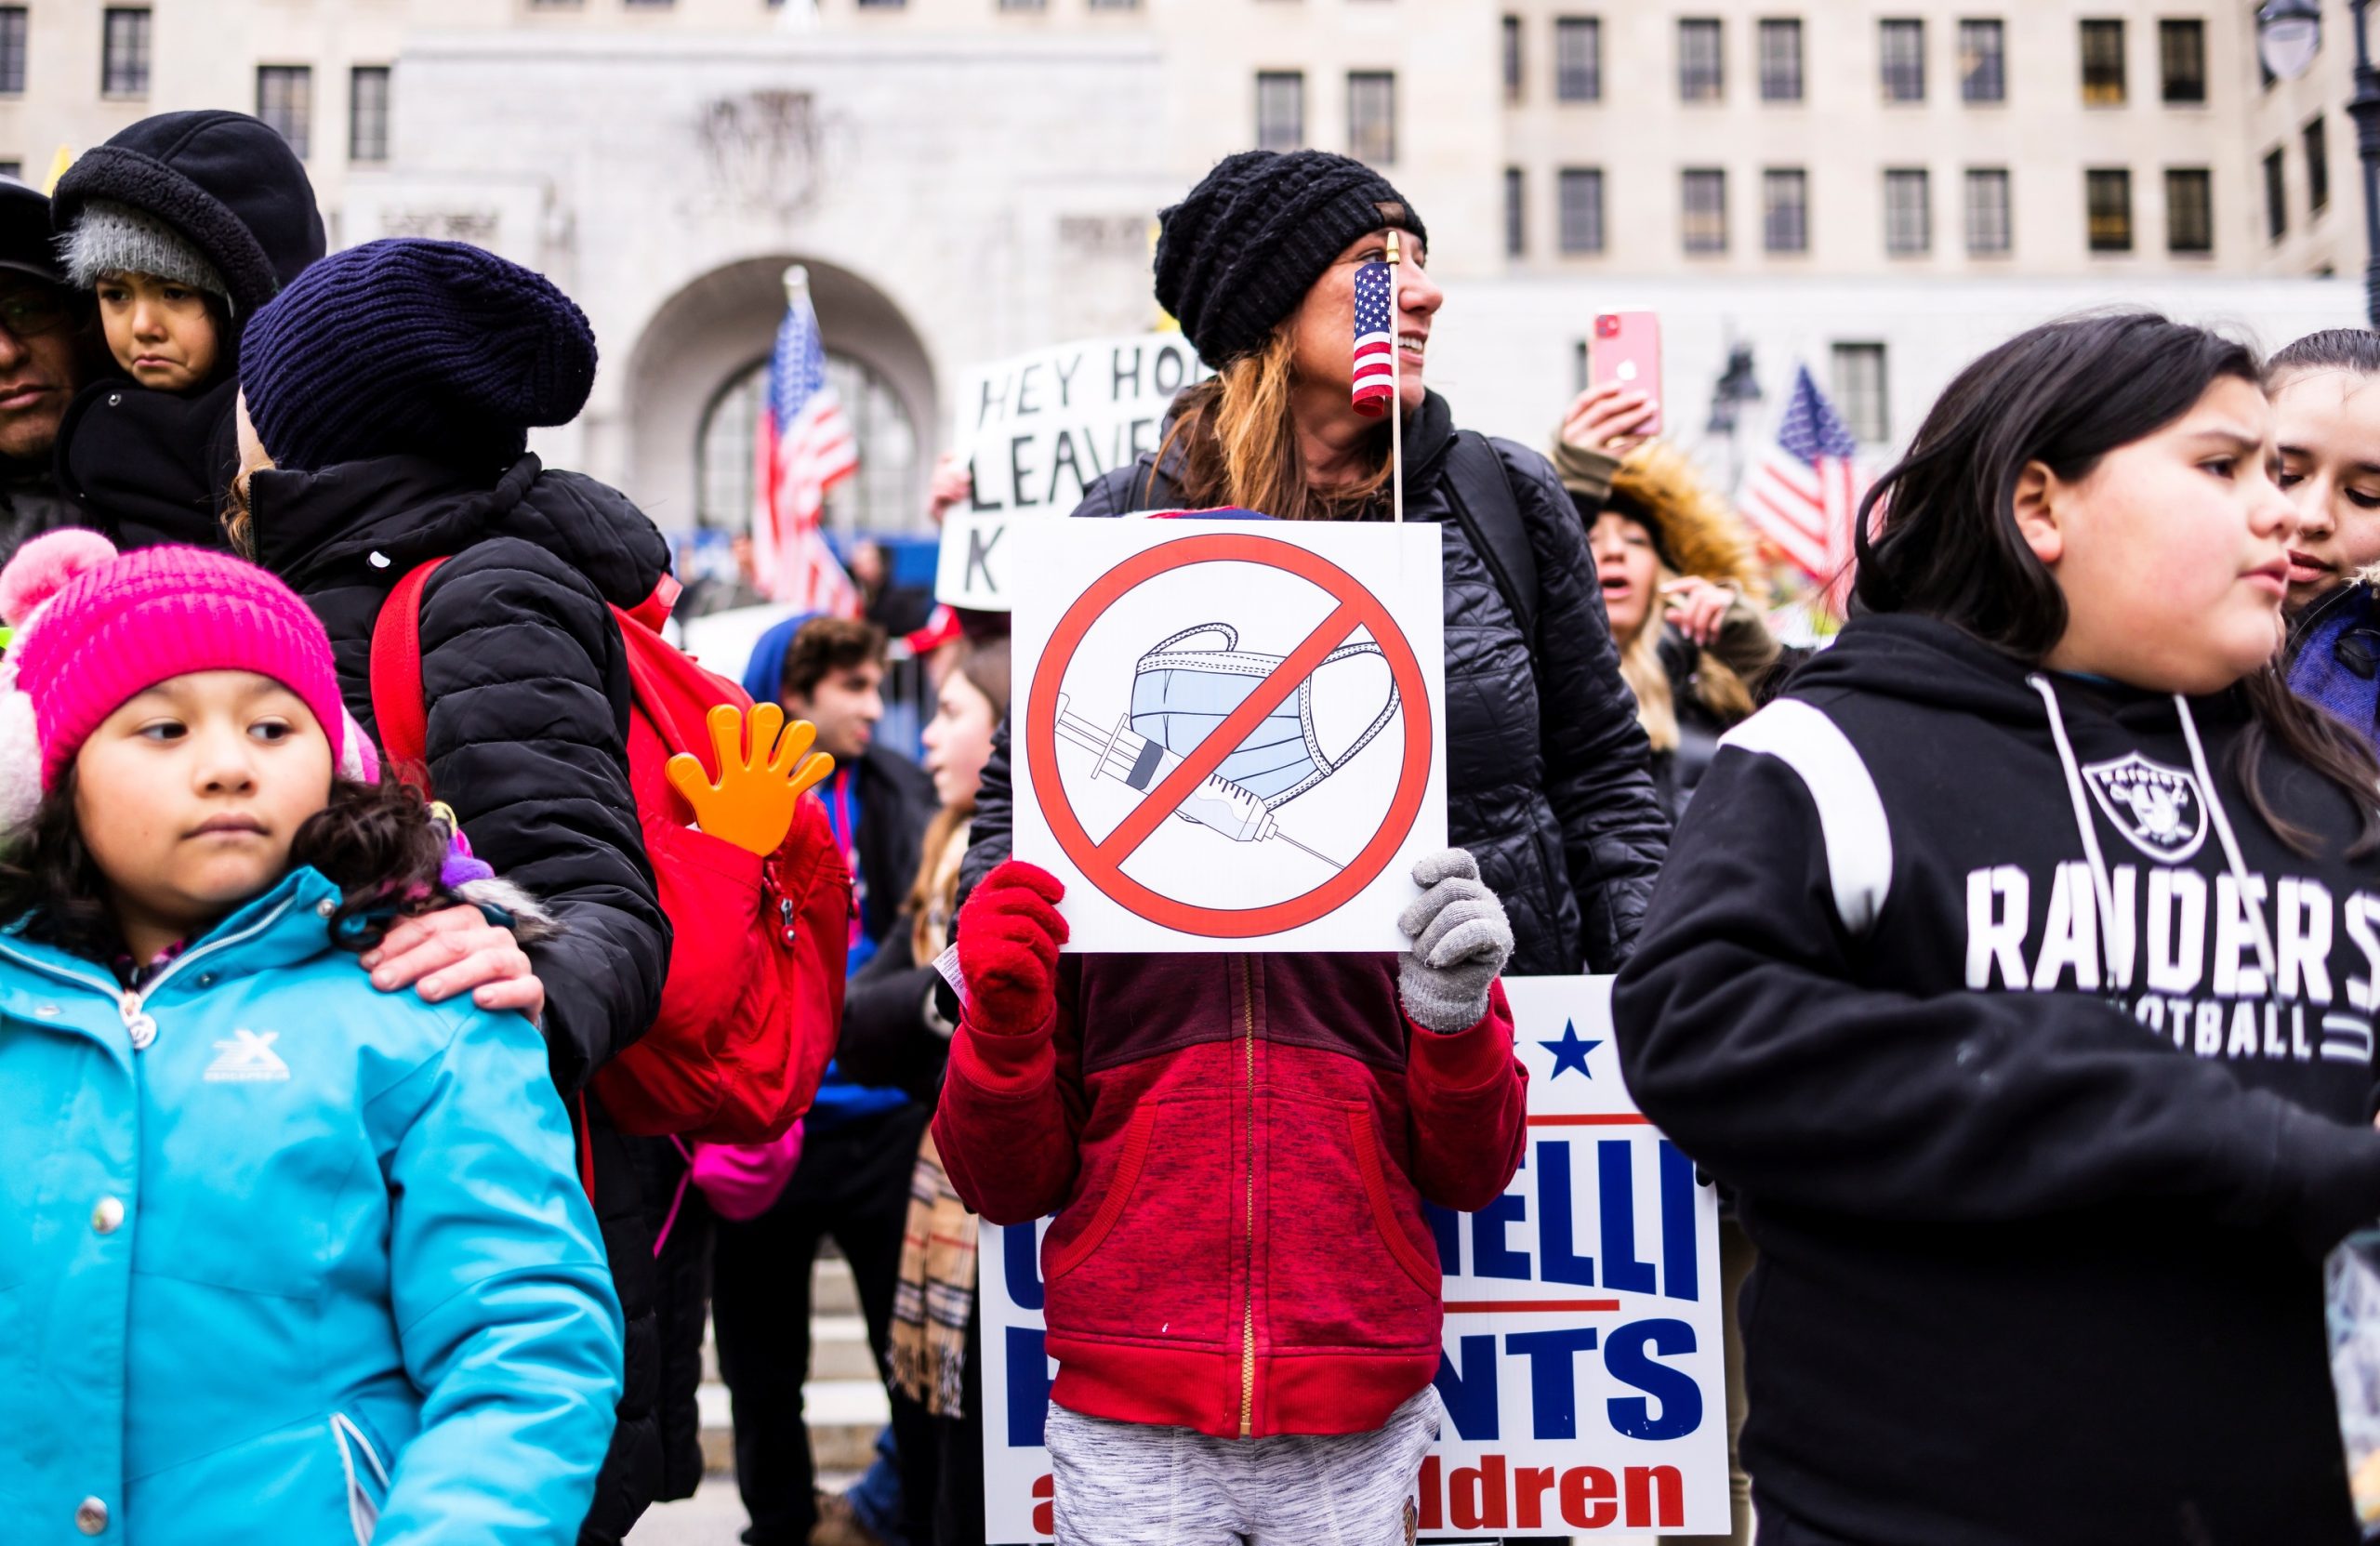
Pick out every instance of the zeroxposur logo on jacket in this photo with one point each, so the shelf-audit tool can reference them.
(2160, 809)
(248, 1058)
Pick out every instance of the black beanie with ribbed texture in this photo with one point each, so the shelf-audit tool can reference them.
(1239, 253)
(434, 348)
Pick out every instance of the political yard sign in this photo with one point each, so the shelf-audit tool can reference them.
(1035, 430)
(1581, 1370)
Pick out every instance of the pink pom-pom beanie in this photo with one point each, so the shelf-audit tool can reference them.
(92, 629)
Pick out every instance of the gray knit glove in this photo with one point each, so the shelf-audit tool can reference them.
(1461, 941)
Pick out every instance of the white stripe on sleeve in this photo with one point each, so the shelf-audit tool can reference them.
(1851, 814)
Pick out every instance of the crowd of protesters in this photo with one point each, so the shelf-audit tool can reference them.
(2008, 964)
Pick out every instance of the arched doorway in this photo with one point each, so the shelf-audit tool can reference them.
(692, 406)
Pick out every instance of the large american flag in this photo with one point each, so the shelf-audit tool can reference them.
(1803, 496)
(1375, 339)
(804, 448)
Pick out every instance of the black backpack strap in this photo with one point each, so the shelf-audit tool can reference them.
(1480, 488)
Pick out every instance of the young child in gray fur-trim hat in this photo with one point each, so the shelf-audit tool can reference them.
(183, 226)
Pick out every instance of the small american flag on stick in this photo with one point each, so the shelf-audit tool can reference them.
(1375, 340)
(1803, 496)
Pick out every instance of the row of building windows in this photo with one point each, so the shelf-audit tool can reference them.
(1909, 211)
(123, 50)
(1371, 112)
(1900, 52)
(2318, 179)
(284, 92)
(864, 5)
(896, 5)
(286, 100)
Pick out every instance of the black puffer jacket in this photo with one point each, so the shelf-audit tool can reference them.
(1546, 780)
(898, 1022)
(896, 801)
(526, 682)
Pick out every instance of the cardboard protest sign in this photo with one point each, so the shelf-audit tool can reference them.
(1581, 1370)
(1035, 429)
(1277, 689)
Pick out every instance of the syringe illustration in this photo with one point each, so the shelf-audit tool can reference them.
(1217, 803)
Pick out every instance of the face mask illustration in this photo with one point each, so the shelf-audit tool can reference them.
(1179, 696)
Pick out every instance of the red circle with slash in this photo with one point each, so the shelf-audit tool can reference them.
(1102, 861)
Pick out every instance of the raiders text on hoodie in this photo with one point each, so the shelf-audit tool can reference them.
(2042, 1071)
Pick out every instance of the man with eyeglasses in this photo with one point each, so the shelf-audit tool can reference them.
(47, 351)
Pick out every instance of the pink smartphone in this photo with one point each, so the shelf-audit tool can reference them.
(1626, 351)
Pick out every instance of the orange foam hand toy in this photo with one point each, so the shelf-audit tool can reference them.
(753, 802)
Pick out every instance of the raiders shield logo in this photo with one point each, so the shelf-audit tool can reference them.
(2160, 809)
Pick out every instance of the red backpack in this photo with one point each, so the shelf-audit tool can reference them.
(755, 992)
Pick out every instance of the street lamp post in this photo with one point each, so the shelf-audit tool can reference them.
(2289, 33)
(2365, 108)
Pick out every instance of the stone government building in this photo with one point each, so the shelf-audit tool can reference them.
(1878, 188)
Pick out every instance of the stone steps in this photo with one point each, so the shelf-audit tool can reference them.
(844, 1397)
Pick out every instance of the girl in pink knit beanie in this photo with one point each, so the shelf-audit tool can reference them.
(172, 744)
(277, 1245)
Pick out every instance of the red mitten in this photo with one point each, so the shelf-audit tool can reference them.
(1009, 934)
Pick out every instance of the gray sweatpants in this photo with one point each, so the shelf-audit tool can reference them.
(1133, 1484)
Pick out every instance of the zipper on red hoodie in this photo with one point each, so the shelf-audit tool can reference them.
(1247, 1288)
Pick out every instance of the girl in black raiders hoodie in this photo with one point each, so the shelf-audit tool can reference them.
(2018, 971)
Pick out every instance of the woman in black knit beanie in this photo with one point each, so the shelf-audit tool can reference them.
(1547, 789)
(1547, 783)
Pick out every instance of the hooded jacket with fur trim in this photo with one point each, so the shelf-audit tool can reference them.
(147, 467)
(1695, 535)
(225, 182)
(2042, 1071)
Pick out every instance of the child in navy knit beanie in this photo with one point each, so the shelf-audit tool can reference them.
(469, 352)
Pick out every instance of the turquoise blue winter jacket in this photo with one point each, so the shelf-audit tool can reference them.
(283, 1257)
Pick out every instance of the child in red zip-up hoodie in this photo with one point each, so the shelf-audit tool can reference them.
(1241, 1291)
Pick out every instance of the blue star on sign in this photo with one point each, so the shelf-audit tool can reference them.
(1571, 1052)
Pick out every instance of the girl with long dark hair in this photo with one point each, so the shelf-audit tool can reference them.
(2325, 391)
(278, 1250)
(2017, 969)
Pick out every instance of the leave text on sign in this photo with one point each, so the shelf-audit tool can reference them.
(1036, 431)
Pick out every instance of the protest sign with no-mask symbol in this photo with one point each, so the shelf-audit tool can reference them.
(1231, 733)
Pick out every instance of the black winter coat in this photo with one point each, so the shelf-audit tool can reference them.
(896, 804)
(525, 679)
(31, 506)
(890, 1038)
(1546, 780)
(149, 466)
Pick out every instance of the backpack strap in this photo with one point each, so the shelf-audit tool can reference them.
(1480, 488)
(399, 707)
